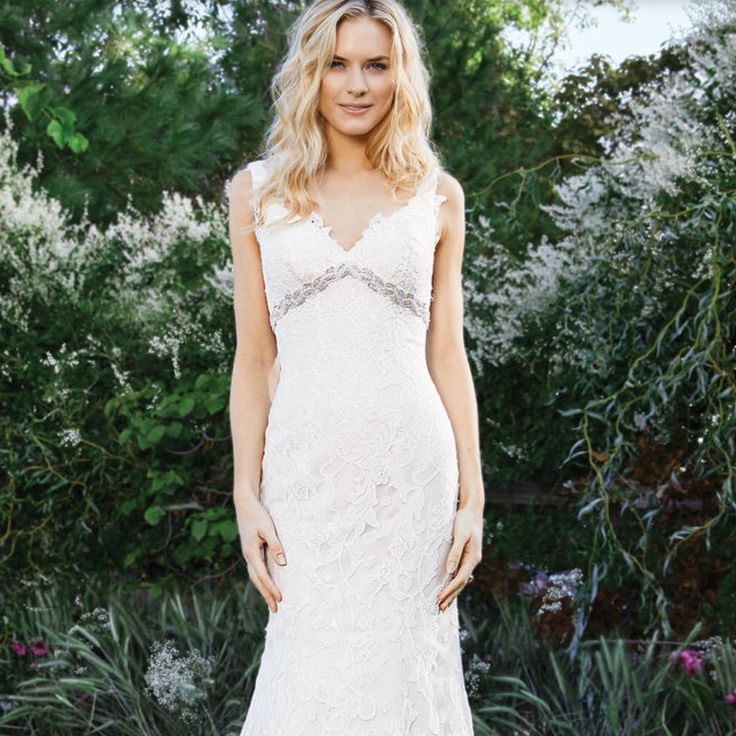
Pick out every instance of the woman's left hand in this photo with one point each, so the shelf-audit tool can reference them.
(465, 552)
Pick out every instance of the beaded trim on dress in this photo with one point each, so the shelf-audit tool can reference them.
(335, 273)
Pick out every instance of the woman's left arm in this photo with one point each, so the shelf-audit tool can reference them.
(450, 371)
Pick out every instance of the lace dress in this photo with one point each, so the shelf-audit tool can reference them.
(360, 476)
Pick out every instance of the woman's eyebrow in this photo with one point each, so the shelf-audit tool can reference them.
(373, 58)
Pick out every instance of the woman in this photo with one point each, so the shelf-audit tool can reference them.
(360, 473)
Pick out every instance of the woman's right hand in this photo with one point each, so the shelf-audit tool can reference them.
(256, 529)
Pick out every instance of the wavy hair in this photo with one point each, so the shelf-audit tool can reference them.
(295, 144)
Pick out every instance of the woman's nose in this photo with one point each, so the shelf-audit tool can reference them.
(356, 82)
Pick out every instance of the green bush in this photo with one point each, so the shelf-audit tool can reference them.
(626, 322)
(115, 384)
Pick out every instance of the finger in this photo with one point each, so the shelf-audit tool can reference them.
(448, 602)
(275, 548)
(455, 585)
(265, 590)
(455, 553)
(467, 565)
(445, 603)
(265, 576)
(258, 585)
(261, 577)
(261, 588)
(470, 560)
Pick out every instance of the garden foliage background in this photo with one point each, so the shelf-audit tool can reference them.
(599, 283)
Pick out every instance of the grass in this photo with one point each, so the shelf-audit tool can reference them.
(150, 661)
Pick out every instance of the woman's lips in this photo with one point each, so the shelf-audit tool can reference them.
(356, 110)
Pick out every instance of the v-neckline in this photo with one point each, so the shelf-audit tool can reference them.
(379, 218)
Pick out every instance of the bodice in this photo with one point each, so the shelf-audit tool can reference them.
(350, 312)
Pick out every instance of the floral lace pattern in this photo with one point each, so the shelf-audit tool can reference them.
(360, 476)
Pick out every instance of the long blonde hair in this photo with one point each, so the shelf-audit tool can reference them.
(295, 144)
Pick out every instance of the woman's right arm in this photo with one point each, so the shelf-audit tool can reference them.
(255, 368)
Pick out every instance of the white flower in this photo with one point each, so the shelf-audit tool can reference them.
(70, 437)
(176, 681)
(562, 586)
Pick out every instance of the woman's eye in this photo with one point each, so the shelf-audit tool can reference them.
(375, 64)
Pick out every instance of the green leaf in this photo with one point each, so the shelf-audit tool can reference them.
(199, 529)
(31, 101)
(154, 514)
(155, 434)
(6, 64)
(55, 130)
(9, 67)
(66, 117)
(183, 553)
(128, 506)
(163, 481)
(214, 403)
(174, 429)
(228, 530)
(78, 143)
(186, 406)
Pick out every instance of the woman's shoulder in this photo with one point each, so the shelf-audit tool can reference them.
(240, 185)
(249, 176)
(258, 168)
(250, 171)
(449, 187)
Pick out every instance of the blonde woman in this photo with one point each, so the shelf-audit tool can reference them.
(357, 484)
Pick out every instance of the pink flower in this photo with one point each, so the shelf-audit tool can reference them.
(689, 660)
(19, 648)
(731, 697)
(39, 648)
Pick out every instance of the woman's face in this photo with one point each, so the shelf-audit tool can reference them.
(359, 75)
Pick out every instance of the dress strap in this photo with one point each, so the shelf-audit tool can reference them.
(429, 185)
(259, 171)
(435, 200)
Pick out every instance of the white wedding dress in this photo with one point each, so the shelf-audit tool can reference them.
(360, 477)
